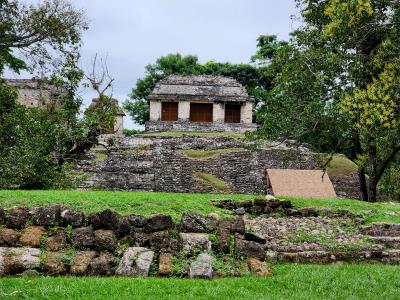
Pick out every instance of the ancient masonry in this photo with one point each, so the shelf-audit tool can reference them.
(58, 240)
(171, 164)
(200, 103)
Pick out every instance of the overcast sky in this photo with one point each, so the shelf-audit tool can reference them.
(134, 33)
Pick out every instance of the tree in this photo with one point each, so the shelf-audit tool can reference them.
(36, 143)
(44, 35)
(336, 84)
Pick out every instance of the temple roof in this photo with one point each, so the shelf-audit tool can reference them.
(204, 87)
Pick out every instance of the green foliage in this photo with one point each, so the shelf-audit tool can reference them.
(130, 132)
(390, 183)
(48, 32)
(336, 84)
(100, 117)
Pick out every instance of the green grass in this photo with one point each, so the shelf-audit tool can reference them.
(204, 154)
(340, 165)
(144, 203)
(196, 133)
(289, 282)
(148, 203)
(213, 181)
(373, 212)
(100, 156)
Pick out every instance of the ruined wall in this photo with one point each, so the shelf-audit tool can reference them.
(186, 126)
(160, 164)
(35, 93)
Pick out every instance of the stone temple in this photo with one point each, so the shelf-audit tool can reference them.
(200, 103)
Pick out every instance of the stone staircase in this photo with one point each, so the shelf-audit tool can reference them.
(387, 235)
(120, 169)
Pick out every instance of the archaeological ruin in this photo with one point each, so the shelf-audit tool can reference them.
(200, 103)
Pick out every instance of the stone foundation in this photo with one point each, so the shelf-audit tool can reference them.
(58, 240)
(185, 126)
(161, 164)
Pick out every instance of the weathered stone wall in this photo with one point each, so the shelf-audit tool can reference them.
(160, 164)
(35, 93)
(186, 126)
(58, 240)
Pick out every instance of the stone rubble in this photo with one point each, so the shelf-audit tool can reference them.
(136, 245)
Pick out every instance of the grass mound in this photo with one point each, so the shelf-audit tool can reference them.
(339, 166)
(213, 181)
(204, 154)
(174, 204)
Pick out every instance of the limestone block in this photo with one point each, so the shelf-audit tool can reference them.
(17, 260)
(81, 262)
(165, 264)
(246, 113)
(155, 111)
(218, 113)
(202, 267)
(258, 268)
(184, 111)
(192, 242)
(136, 261)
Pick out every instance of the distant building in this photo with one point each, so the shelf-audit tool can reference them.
(40, 93)
(36, 92)
(200, 103)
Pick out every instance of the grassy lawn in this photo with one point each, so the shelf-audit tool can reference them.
(289, 282)
(174, 204)
(144, 203)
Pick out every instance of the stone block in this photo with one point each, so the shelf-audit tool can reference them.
(8, 237)
(194, 222)
(105, 239)
(248, 249)
(57, 241)
(106, 219)
(159, 223)
(17, 217)
(83, 237)
(17, 260)
(194, 242)
(165, 264)
(81, 262)
(32, 236)
(135, 262)
(102, 265)
(202, 267)
(258, 267)
(72, 217)
(54, 263)
(46, 216)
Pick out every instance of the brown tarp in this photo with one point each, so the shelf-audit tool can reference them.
(300, 183)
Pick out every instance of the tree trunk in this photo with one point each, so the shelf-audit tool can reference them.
(357, 150)
(363, 184)
(373, 176)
